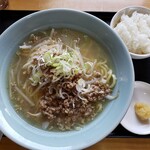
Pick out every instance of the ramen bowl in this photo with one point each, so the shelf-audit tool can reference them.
(129, 11)
(26, 135)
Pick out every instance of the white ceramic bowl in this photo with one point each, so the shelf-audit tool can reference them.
(21, 132)
(128, 11)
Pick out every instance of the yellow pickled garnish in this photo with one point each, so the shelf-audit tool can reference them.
(142, 110)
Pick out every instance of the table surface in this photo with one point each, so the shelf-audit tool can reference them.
(84, 5)
(125, 143)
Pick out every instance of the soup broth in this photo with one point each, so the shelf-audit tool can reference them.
(60, 79)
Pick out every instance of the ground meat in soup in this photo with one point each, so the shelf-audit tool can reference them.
(59, 79)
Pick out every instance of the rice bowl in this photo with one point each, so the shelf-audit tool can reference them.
(132, 25)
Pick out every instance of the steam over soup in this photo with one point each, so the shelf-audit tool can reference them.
(60, 79)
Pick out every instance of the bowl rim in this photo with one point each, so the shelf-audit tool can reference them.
(139, 56)
(122, 10)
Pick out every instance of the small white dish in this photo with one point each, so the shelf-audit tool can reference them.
(130, 121)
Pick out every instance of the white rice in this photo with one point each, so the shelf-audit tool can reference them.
(135, 32)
